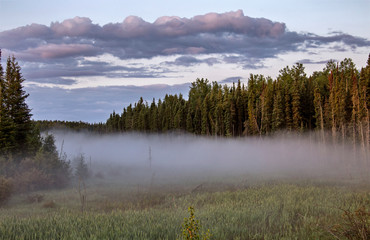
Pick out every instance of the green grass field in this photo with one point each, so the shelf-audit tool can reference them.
(231, 209)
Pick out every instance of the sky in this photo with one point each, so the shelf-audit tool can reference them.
(84, 59)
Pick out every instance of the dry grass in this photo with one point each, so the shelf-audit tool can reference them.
(49, 204)
(355, 225)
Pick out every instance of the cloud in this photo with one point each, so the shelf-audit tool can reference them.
(231, 80)
(188, 61)
(67, 71)
(61, 50)
(57, 81)
(245, 62)
(55, 51)
(309, 61)
(76, 27)
(230, 32)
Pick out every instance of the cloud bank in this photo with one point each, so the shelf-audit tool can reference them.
(62, 47)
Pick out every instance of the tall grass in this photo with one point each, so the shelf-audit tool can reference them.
(272, 210)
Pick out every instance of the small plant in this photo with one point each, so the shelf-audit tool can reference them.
(192, 228)
(355, 225)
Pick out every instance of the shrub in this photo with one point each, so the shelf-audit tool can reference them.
(354, 226)
(192, 228)
(31, 179)
(5, 189)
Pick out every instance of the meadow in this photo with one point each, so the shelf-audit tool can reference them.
(231, 207)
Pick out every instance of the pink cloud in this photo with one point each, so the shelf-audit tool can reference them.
(195, 50)
(170, 51)
(50, 51)
(77, 26)
(230, 32)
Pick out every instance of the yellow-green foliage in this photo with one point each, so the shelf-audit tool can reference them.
(192, 229)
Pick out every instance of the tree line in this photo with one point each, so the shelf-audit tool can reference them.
(334, 100)
(78, 126)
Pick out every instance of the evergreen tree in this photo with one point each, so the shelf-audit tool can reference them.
(278, 110)
(296, 111)
(16, 128)
(267, 101)
(288, 110)
(6, 125)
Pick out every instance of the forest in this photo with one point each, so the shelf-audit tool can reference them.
(335, 100)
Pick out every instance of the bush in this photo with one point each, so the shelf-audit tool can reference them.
(192, 228)
(5, 189)
(354, 226)
(41, 172)
(31, 179)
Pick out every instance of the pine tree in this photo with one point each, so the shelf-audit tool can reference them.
(319, 115)
(16, 125)
(251, 125)
(296, 111)
(204, 114)
(153, 117)
(267, 101)
(6, 125)
(278, 110)
(288, 110)
(227, 112)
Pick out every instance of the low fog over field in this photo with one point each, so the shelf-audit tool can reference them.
(174, 155)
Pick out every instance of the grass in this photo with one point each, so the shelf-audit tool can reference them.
(262, 209)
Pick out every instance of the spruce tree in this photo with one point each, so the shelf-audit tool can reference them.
(278, 109)
(319, 115)
(296, 102)
(6, 126)
(16, 126)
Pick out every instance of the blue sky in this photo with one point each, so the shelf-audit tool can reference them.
(84, 59)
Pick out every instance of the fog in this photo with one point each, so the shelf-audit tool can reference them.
(173, 156)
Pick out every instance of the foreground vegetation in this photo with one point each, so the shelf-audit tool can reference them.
(274, 209)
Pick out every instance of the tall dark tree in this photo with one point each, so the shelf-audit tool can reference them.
(6, 126)
(16, 126)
